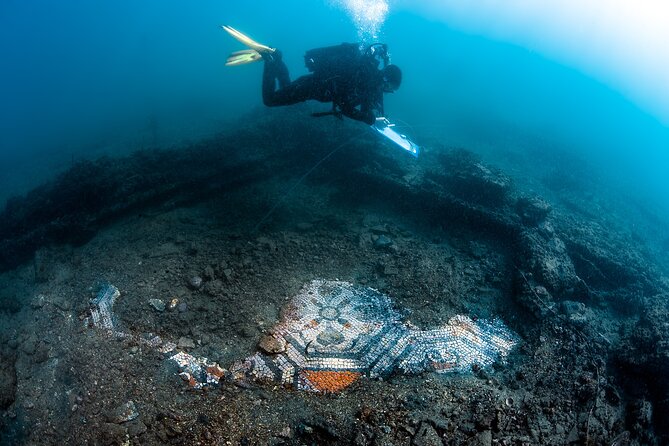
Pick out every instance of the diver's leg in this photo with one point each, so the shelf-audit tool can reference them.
(289, 92)
(299, 90)
(274, 70)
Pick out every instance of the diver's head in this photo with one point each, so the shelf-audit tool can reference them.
(392, 78)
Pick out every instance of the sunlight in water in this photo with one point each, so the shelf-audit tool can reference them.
(623, 44)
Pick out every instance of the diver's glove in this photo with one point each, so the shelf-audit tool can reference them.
(381, 122)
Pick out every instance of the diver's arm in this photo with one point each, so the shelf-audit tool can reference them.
(366, 116)
(369, 110)
(372, 108)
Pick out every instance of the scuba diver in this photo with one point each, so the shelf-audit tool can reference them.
(352, 77)
(343, 75)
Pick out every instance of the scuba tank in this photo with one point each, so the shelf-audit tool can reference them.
(345, 59)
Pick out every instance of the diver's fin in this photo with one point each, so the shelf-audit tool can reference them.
(246, 40)
(242, 57)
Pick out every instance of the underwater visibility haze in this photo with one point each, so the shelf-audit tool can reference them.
(84, 79)
(180, 264)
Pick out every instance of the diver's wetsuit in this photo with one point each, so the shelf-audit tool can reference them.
(362, 88)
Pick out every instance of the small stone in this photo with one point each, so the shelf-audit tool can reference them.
(390, 271)
(532, 211)
(157, 304)
(483, 438)
(185, 342)
(112, 433)
(383, 242)
(286, 432)
(266, 243)
(576, 312)
(38, 301)
(123, 413)
(182, 307)
(136, 428)
(227, 273)
(426, 436)
(271, 345)
(41, 353)
(195, 282)
(208, 273)
(30, 345)
(573, 435)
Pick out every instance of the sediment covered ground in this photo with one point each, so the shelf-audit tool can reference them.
(231, 228)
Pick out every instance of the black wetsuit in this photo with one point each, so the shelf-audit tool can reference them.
(357, 92)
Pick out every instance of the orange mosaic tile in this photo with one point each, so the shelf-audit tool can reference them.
(216, 370)
(330, 381)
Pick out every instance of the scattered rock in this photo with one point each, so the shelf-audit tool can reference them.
(426, 436)
(182, 307)
(643, 412)
(41, 353)
(390, 271)
(483, 439)
(173, 304)
(532, 211)
(136, 428)
(185, 342)
(195, 282)
(29, 345)
(271, 345)
(123, 413)
(112, 433)
(62, 303)
(208, 273)
(573, 437)
(38, 301)
(576, 312)
(286, 432)
(266, 243)
(469, 179)
(157, 304)
(214, 287)
(547, 258)
(383, 242)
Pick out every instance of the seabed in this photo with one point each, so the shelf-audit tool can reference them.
(154, 299)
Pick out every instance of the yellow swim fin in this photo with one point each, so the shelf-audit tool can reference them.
(243, 57)
(246, 40)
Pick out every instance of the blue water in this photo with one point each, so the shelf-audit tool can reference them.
(81, 79)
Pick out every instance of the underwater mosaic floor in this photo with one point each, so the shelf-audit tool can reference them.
(331, 334)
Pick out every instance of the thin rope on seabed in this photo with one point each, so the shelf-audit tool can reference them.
(301, 179)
